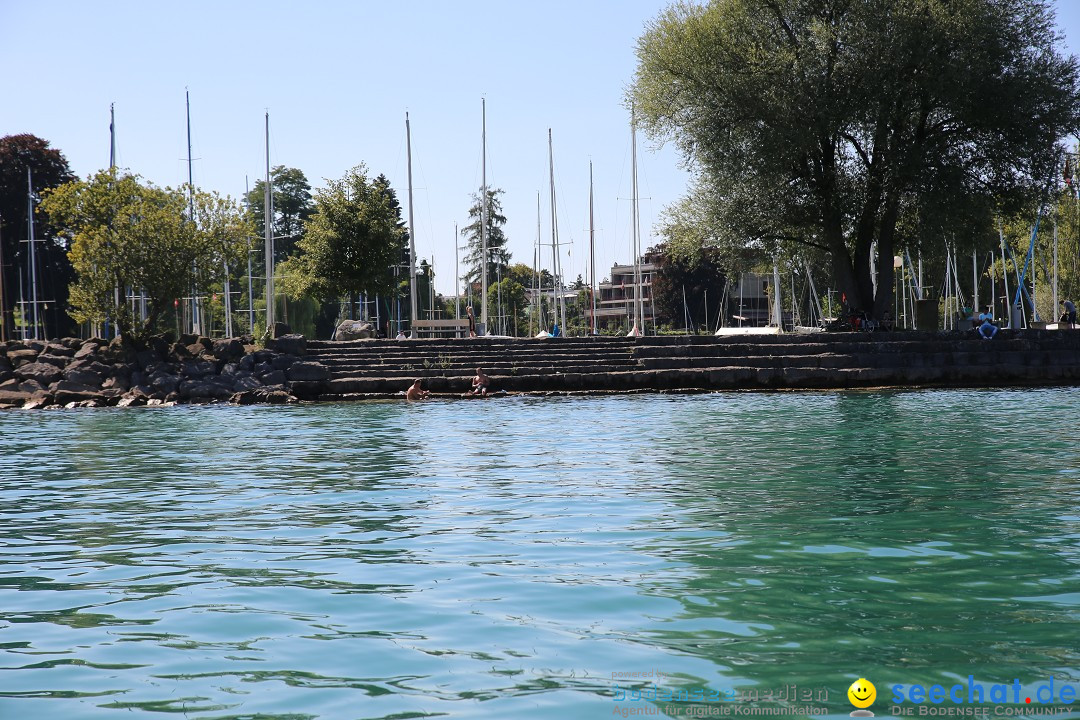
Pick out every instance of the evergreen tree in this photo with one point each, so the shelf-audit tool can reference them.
(498, 256)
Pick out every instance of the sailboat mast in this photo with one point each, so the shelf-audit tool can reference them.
(483, 217)
(777, 310)
(536, 269)
(412, 235)
(112, 136)
(457, 289)
(1054, 307)
(196, 324)
(33, 249)
(592, 255)
(268, 214)
(556, 274)
(3, 296)
(635, 249)
(251, 296)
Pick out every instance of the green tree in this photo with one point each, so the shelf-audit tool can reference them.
(698, 275)
(351, 243)
(841, 125)
(498, 256)
(293, 206)
(524, 276)
(514, 304)
(126, 233)
(49, 169)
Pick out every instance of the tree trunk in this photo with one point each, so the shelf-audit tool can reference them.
(884, 301)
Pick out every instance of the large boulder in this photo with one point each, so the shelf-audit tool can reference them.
(228, 349)
(13, 398)
(59, 348)
(198, 369)
(282, 362)
(91, 374)
(212, 388)
(88, 349)
(44, 373)
(275, 377)
(163, 384)
(308, 371)
(288, 344)
(22, 356)
(59, 361)
(354, 330)
(246, 383)
(67, 392)
(118, 382)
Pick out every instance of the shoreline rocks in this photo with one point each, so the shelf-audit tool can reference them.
(70, 372)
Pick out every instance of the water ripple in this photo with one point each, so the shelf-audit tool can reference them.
(505, 559)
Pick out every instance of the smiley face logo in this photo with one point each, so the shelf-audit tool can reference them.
(862, 694)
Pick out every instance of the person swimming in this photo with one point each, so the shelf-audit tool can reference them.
(416, 392)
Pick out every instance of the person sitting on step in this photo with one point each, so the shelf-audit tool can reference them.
(480, 383)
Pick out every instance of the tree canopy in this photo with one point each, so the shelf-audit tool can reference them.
(125, 233)
(845, 125)
(49, 168)
(293, 205)
(352, 241)
(498, 256)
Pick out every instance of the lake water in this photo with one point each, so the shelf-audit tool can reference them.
(520, 558)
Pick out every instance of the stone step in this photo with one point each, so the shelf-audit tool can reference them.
(727, 378)
(456, 343)
(890, 348)
(985, 358)
(468, 373)
(415, 348)
(477, 360)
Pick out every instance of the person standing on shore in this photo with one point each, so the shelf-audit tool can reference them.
(472, 321)
(1069, 316)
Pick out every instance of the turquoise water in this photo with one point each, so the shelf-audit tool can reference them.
(508, 558)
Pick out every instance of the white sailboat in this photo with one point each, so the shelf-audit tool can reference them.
(773, 328)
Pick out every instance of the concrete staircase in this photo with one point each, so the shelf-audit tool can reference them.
(378, 368)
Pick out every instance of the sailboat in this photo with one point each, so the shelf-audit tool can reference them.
(773, 328)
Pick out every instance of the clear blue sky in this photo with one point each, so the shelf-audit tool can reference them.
(337, 78)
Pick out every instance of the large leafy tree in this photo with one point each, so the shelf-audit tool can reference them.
(293, 205)
(125, 233)
(847, 125)
(681, 287)
(498, 256)
(351, 243)
(48, 168)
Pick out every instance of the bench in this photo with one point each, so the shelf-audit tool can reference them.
(459, 328)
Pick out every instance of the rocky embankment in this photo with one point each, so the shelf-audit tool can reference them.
(75, 373)
(95, 373)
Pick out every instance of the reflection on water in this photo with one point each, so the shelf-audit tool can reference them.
(506, 558)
